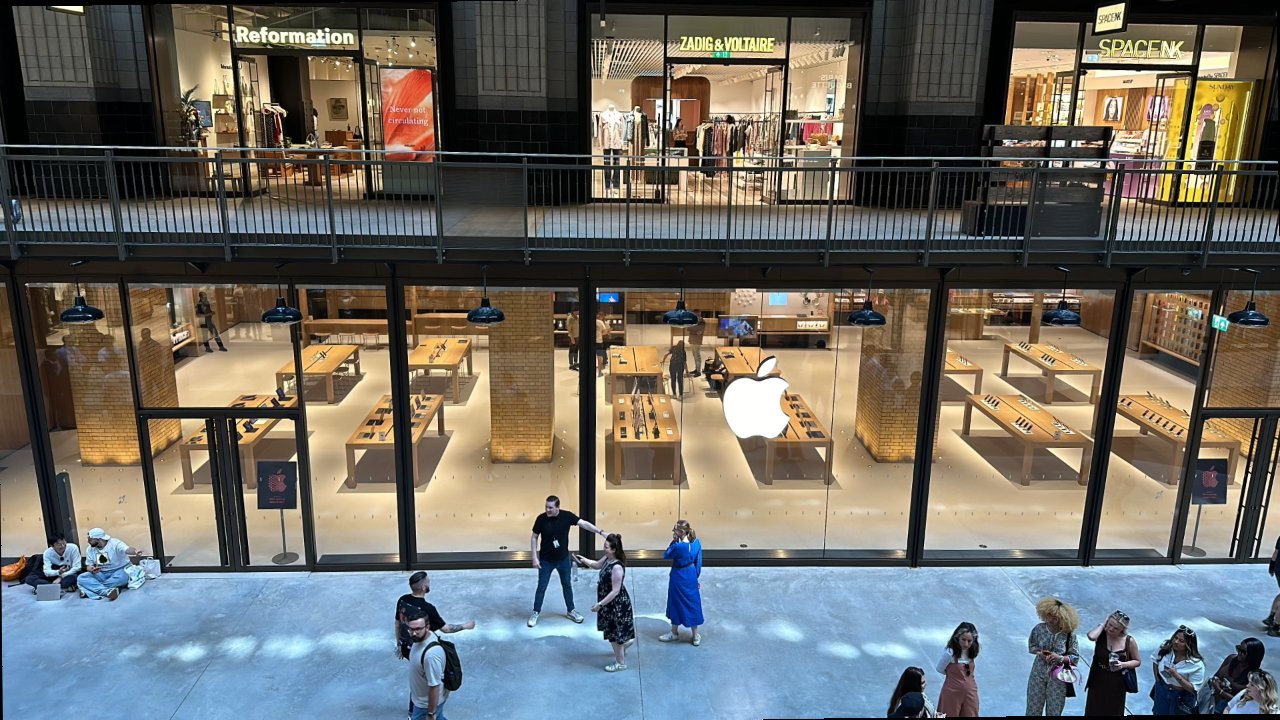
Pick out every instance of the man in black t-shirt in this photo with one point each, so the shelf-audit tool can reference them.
(553, 554)
(419, 586)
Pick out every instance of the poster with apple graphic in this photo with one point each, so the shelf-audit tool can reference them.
(753, 405)
(1209, 486)
(408, 114)
(277, 485)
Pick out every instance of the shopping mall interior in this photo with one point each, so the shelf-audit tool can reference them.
(496, 417)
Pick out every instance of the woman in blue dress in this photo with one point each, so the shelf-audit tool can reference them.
(684, 591)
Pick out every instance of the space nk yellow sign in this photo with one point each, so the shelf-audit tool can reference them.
(710, 44)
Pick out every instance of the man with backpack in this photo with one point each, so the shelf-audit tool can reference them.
(434, 670)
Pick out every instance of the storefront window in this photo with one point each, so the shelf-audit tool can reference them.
(22, 530)
(1013, 447)
(627, 76)
(1042, 73)
(495, 417)
(84, 373)
(1153, 421)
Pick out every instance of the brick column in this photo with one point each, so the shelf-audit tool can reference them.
(889, 376)
(521, 388)
(1246, 371)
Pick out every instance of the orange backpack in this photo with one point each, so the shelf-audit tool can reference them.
(14, 571)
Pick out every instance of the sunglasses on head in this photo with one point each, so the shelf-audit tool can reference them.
(1120, 616)
(1186, 631)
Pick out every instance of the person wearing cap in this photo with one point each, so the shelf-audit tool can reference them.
(106, 557)
(911, 705)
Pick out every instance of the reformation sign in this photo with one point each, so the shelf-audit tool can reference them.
(729, 44)
(322, 38)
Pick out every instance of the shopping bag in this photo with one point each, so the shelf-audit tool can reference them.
(150, 566)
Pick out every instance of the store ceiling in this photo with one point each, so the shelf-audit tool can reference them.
(628, 58)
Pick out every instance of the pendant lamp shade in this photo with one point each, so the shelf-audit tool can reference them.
(80, 312)
(1061, 315)
(681, 316)
(486, 314)
(867, 316)
(1249, 317)
(281, 314)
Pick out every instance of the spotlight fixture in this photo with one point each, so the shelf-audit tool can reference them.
(867, 316)
(1249, 317)
(1061, 316)
(485, 314)
(282, 313)
(80, 312)
(681, 316)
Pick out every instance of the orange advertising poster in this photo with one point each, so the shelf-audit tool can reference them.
(408, 115)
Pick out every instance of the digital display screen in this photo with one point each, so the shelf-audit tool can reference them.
(608, 297)
(737, 327)
(778, 298)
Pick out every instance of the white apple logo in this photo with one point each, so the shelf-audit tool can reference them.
(753, 405)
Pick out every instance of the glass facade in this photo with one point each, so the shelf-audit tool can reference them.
(21, 521)
(683, 424)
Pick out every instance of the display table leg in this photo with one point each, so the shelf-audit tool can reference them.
(471, 370)
(1004, 366)
(1233, 458)
(251, 462)
(457, 384)
(351, 467)
(617, 462)
(968, 419)
(768, 463)
(188, 480)
(1086, 464)
(977, 383)
(1026, 464)
(328, 388)
(1097, 385)
(1049, 378)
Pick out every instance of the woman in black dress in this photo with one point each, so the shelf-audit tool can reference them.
(613, 610)
(1114, 653)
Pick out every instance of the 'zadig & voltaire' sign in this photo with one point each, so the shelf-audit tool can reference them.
(308, 38)
(707, 43)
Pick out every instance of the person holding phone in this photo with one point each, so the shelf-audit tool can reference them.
(1114, 652)
(550, 547)
(60, 564)
(107, 557)
(1179, 673)
(1053, 642)
(615, 617)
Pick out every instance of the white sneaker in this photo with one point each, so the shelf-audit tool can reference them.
(697, 639)
(533, 619)
(668, 637)
(575, 616)
(615, 667)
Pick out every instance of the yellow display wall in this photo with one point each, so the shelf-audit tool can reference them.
(1220, 119)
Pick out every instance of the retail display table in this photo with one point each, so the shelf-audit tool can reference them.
(957, 364)
(1155, 416)
(629, 364)
(1052, 362)
(248, 438)
(803, 430)
(444, 354)
(645, 421)
(321, 361)
(1033, 426)
(377, 431)
(742, 361)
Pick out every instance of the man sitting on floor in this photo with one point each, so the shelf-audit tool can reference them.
(60, 564)
(107, 559)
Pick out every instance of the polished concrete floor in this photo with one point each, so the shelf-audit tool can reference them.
(779, 642)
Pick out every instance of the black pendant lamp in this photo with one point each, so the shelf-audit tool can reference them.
(1061, 316)
(486, 314)
(681, 316)
(1249, 317)
(80, 312)
(867, 316)
(282, 313)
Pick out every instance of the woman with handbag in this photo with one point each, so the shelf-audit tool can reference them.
(1179, 673)
(1257, 698)
(1053, 673)
(959, 695)
(1113, 670)
(1232, 676)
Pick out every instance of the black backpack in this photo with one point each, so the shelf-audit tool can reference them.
(452, 665)
(35, 566)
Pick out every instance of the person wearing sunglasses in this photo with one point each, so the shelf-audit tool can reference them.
(1115, 653)
(1232, 676)
(1179, 674)
(1258, 698)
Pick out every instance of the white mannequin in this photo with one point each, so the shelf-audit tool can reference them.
(610, 121)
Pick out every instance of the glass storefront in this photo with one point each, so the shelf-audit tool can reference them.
(726, 95)
(683, 425)
(21, 520)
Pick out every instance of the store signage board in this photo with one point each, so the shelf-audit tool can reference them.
(277, 485)
(408, 114)
(1111, 18)
(1209, 486)
(321, 38)
(726, 45)
(1153, 49)
(1219, 323)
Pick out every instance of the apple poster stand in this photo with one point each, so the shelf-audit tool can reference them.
(1191, 550)
(284, 557)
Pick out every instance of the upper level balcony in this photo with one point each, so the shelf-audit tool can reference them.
(341, 204)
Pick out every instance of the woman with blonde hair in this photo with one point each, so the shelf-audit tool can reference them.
(684, 591)
(1258, 698)
(1053, 642)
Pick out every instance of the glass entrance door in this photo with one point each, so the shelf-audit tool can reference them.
(1232, 478)
(227, 488)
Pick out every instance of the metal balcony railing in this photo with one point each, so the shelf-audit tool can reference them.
(183, 200)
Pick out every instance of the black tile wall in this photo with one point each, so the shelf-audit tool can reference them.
(513, 131)
(920, 135)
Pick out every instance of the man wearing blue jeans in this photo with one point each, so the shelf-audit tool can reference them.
(106, 557)
(553, 528)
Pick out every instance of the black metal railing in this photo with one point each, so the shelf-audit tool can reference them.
(338, 199)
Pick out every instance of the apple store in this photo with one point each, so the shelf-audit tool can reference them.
(784, 423)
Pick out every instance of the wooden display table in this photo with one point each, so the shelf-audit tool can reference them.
(1052, 362)
(377, 431)
(741, 361)
(1155, 416)
(634, 428)
(957, 364)
(246, 442)
(1031, 425)
(349, 327)
(804, 430)
(634, 363)
(444, 354)
(321, 361)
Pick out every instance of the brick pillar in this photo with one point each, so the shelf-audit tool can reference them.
(154, 349)
(889, 376)
(521, 367)
(1246, 371)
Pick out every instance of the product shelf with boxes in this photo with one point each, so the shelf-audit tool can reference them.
(1173, 323)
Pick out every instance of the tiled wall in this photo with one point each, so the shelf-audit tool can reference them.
(889, 377)
(1246, 370)
(521, 382)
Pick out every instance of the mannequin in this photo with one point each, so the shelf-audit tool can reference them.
(637, 131)
(611, 136)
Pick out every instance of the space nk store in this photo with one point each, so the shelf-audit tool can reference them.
(278, 84)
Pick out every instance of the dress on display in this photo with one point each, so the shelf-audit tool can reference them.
(684, 600)
(616, 619)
